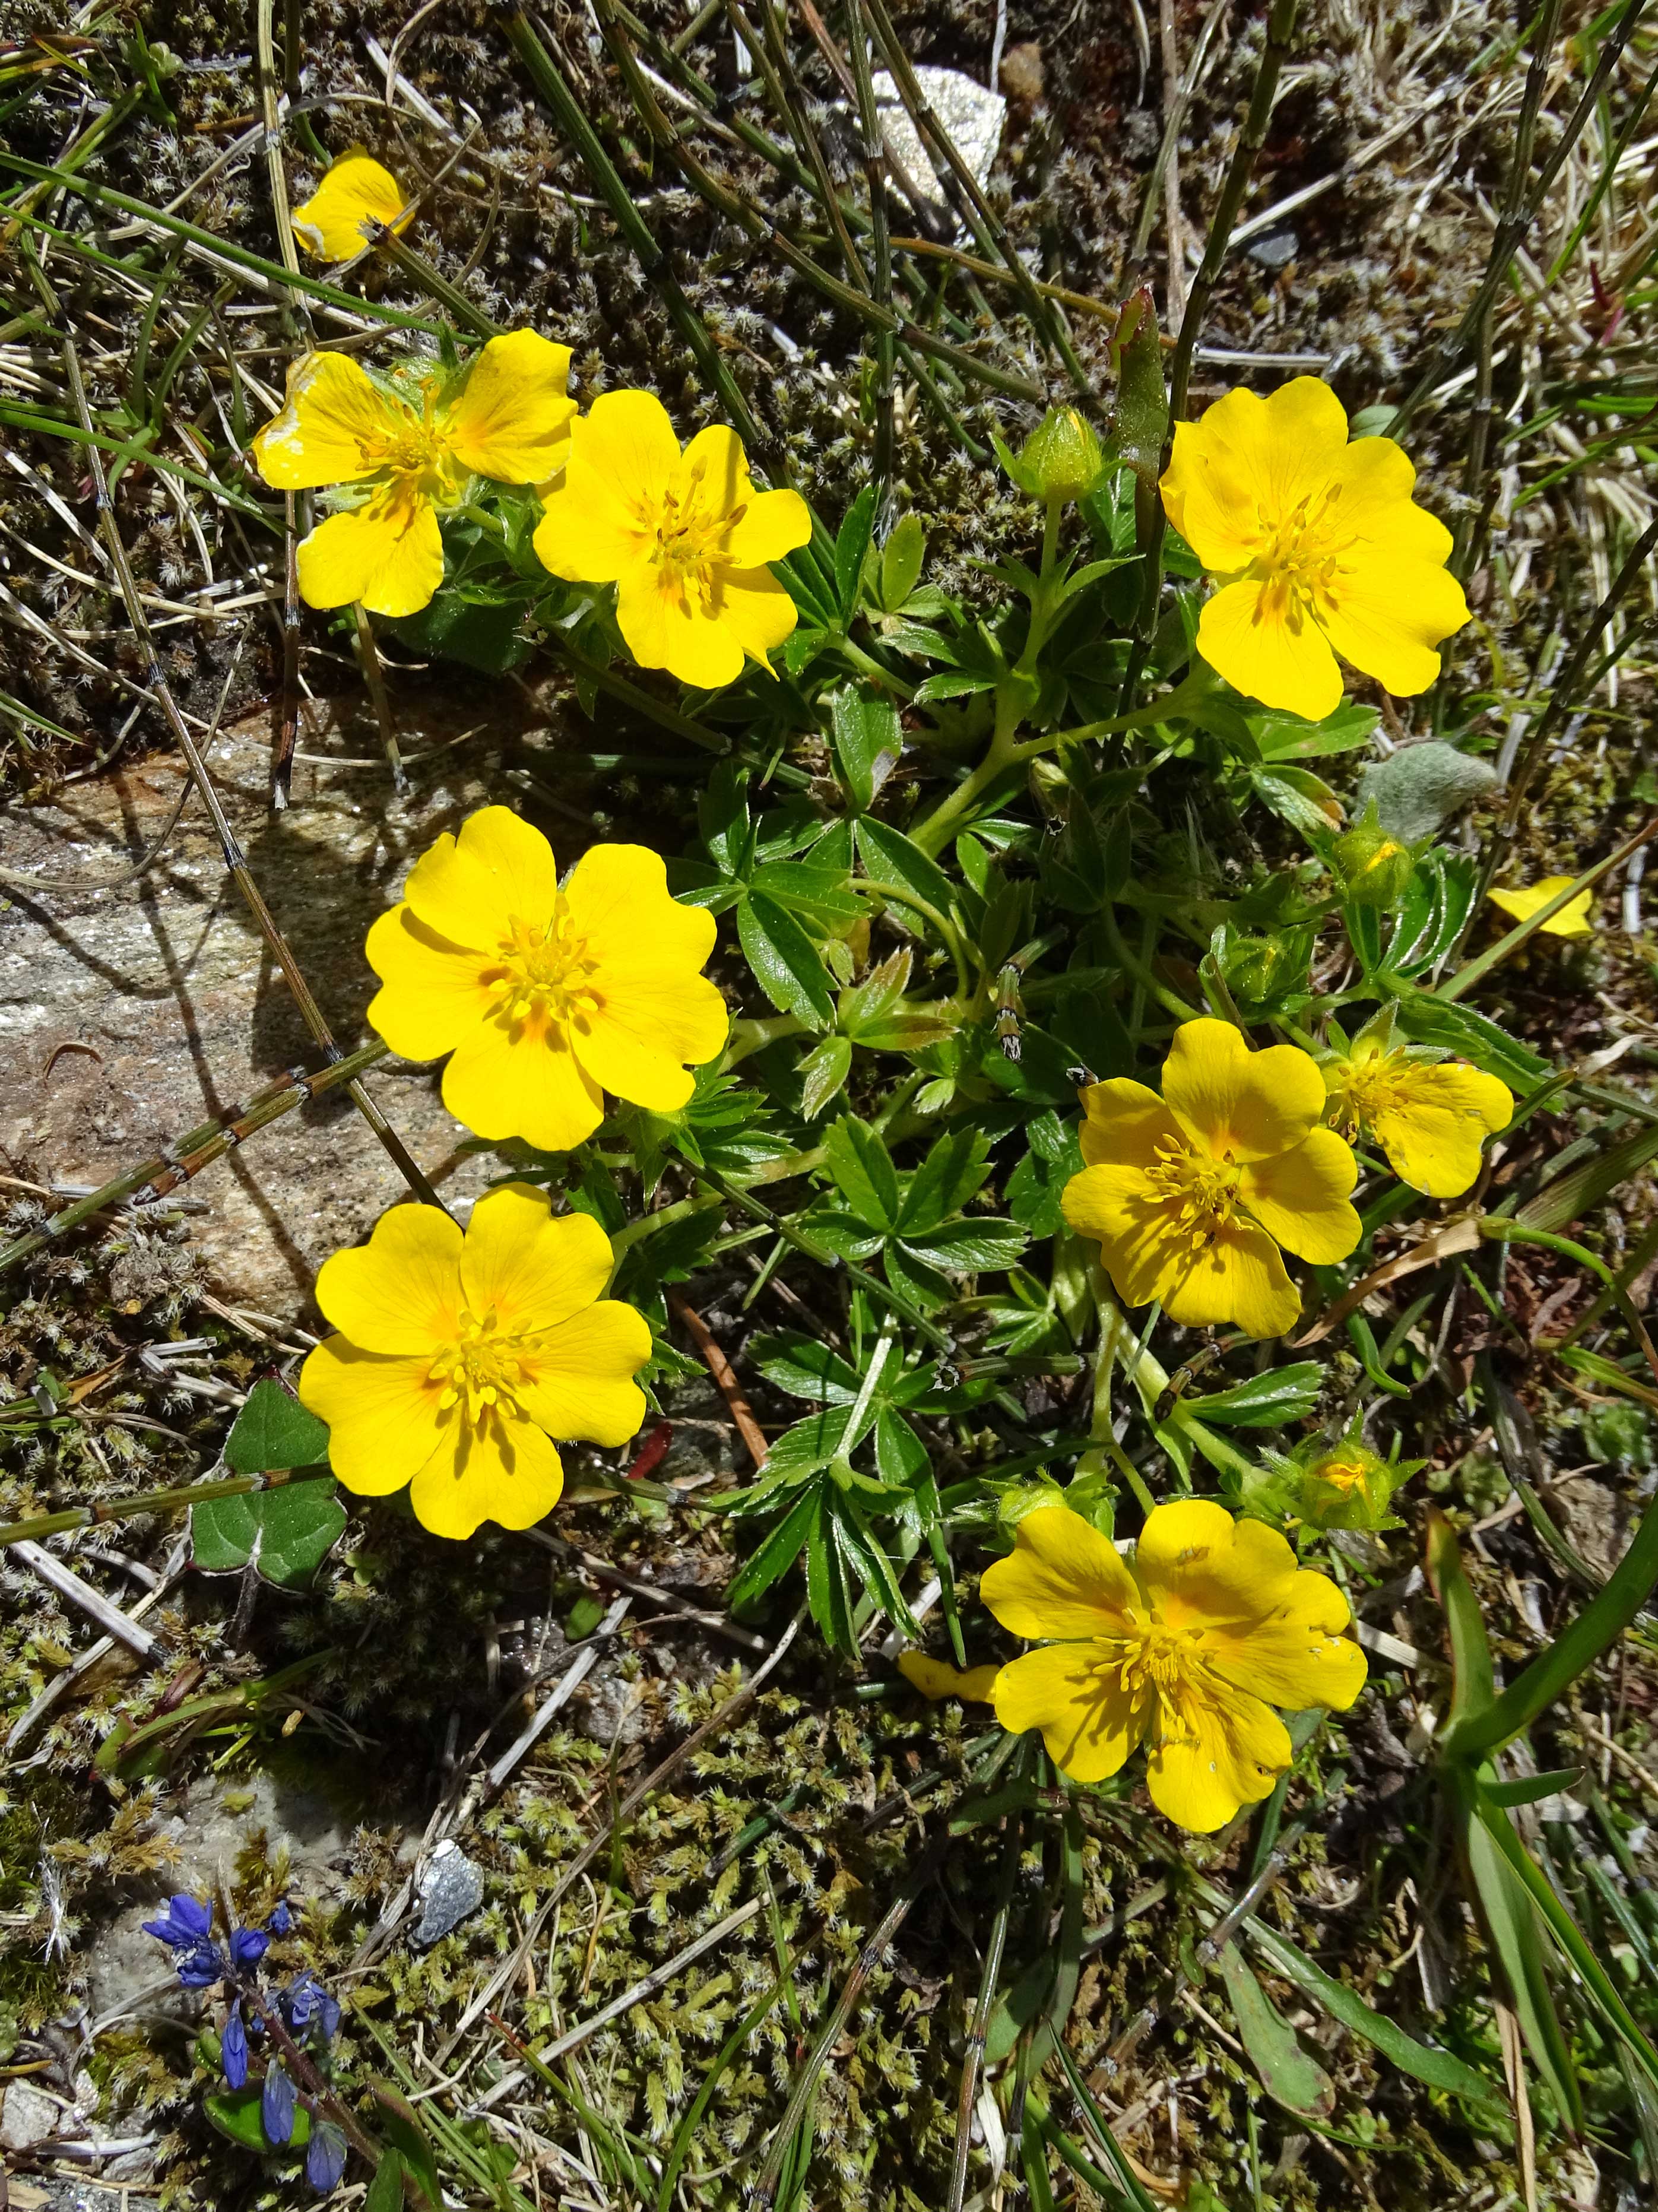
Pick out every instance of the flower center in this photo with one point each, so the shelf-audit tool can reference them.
(1298, 563)
(544, 972)
(480, 1367)
(1204, 1189)
(1342, 1474)
(1154, 1659)
(1369, 1089)
(687, 540)
(405, 446)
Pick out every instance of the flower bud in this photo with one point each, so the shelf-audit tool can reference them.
(1349, 1487)
(1373, 866)
(1061, 458)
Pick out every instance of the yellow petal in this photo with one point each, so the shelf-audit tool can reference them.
(1089, 1724)
(1240, 1278)
(619, 902)
(355, 192)
(333, 412)
(1434, 1134)
(937, 1678)
(1061, 1579)
(522, 1081)
(1200, 1568)
(623, 464)
(580, 1376)
(1238, 1104)
(1140, 1239)
(433, 992)
(772, 523)
(667, 627)
(382, 1414)
(388, 553)
(755, 609)
(1371, 486)
(1124, 1123)
(1268, 648)
(1522, 902)
(505, 1470)
(1240, 471)
(713, 476)
(1297, 1657)
(400, 1292)
(1208, 1756)
(529, 1268)
(511, 418)
(471, 888)
(1300, 1199)
(1386, 614)
(588, 539)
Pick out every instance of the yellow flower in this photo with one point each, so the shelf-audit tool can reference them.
(1185, 1648)
(545, 998)
(461, 1356)
(1429, 1116)
(1191, 1194)
(506, 417)
(355, 192)
(937, 1678)
(1317, 546)
(1573, 919)
(683, 537)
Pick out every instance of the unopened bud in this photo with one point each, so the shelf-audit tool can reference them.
(1349, 1487)
(1374, 866)
(1061, 458)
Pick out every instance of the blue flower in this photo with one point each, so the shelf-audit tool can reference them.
(281, 1921)
(305, 2000)
(247, 1947)
(185, 1922)
(200, 1968)
(276, 2106)
(232, 2048)
(324, 2157)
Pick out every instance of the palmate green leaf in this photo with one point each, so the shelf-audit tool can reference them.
(235, 2113)
(968, 1245)
(274, 1431)
(787, 964)
(955, 1167)
(852, 549)
(776, 1554)
(901, 561)
(867, 740)
(828, 1593)
(1289, 2074)
(805, 1368)
(286, 1533)
(914, 1278)
(857, 1158)
(869, 1562)
(1298, 797)
(1284, 736)
(891, 859)
(818, 894)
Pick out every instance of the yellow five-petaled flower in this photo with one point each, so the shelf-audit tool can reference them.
(684, 537)
(1430, 1116)
(545, 998)
(1192, 1193)
(1318, 548)
(460, 1358)
(410, 450)
(1186, 1648)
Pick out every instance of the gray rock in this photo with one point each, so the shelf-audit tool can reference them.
(129, 1017)
(968, 113)
(29, 2117)
(1419, 787)
(449, 1889)
(1275, 250)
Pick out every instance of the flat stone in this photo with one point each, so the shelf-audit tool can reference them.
(29, 2117)
(968, 113)
(131, 1016)
(450, 1888)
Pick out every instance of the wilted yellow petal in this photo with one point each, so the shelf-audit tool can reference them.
(1522, 902)
(937, 1678)
(356, 191)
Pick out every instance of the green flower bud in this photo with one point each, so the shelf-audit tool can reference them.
(1061, 458)
(1347, 1487)
(1373, 866)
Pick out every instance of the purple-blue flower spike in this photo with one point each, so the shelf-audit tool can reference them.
(276, 2106)
(247, 1947)
(324, 2157)
(185, 1922)
(232, 2048)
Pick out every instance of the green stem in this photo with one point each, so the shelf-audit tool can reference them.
(1142, 971)
(151, 1501)
(1005, 751)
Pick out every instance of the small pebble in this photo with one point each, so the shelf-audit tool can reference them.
(450, 1887)
(1275, 250)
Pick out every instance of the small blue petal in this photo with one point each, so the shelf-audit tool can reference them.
(324, 2157)
(248, 1946)
(183, 1924)
(193, 1912)
(200, 1968)
(233, 2048)
(281, 1921)
(328, 2017)
(276, 2106)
